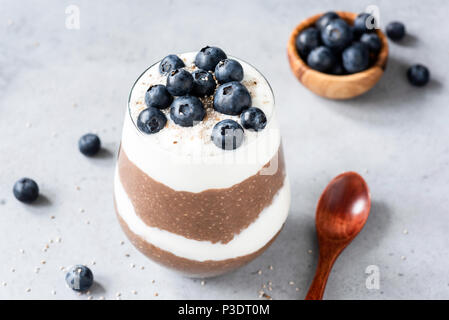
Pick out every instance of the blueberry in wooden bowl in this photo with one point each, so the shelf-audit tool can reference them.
(333, 57)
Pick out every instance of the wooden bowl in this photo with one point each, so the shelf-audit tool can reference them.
(334, 86)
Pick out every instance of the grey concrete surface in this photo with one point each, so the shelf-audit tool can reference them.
(57, 84)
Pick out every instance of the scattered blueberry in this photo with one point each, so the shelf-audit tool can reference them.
(337, 34)
(307, 40)
(179, 82)
(321, 59)
(232, 98)
(26, 190)
(228, 70)
(79, 278)
(151, 120)
(170, 63)
(208, 57)
(395, 30)
(356, 57)
(157, 96)
(372, 41)
(89, 144)
(418, 75)
(253, 118)
(227, 134)
(203, 83)
(325, 19)
(187, 110)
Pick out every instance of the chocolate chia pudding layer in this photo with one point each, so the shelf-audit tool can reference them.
(214, 215)
(200, 269)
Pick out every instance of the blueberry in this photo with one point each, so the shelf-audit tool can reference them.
(186, 111)
(253, 118)
(170, 63)
(26, 190)
(89, 144)
(79, 278)
(208, 58)
(395, 30)
(157, 96)
(228, 70)
(179, 82)
(372, 41)
(321, 59)
(325, 19)
(227, 134)
(203, 83)
(151, 120)
(356, 57)
(337, 35)
(307, 40)
(418, 75)
(338, 69)
(232, 98)
(364, 23)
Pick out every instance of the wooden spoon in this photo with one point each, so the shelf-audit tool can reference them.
(340, 215)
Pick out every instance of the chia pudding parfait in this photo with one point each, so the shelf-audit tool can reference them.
(200, 183)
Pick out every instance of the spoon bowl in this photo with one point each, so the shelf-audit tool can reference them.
(341, 213)
(343, 208)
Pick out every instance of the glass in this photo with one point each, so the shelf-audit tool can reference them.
(204, 211)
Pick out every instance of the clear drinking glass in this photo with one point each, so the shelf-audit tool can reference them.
(191, 206)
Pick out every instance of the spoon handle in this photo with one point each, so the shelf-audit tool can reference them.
(326, 260)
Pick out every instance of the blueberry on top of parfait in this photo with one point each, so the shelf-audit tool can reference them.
(232, 98)
(203, 83)
(253, 118)
(228, 70)
(186, 111)
(208, 57)
(337, 34)
(325, 19)
(227, 134)
(170, 63)
(157, 96)
(151, 120)
(179, 82)
(307, 40)
(26, 190)
(89, 144)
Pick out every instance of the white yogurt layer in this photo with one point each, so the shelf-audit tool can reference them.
(250, 240)
(185, 158)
